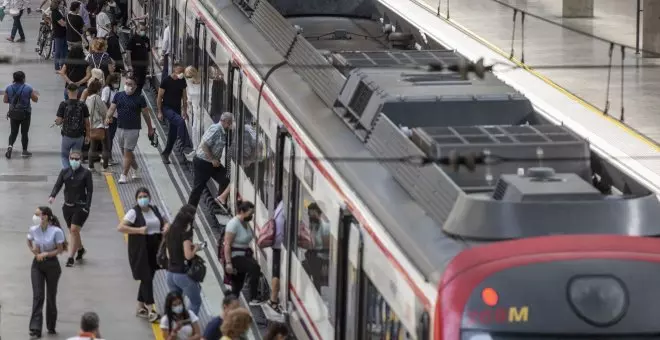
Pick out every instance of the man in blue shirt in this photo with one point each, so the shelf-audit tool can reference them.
(212, 331)
(18, 95)
(206, 163)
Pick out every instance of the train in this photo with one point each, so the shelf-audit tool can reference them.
(450, 209)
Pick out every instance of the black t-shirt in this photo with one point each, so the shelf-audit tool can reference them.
(175, 238)
(76, 70)
(99, 60)
(173, 92)
(139, 47)
(74, 27)
(59, 31)
(73, 113)
(114, 49)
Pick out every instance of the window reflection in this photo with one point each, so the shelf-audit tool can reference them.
(382, 322)
(314, 242)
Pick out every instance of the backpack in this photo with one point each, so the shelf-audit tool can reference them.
(73, 124)
(17, 110)
(99, 67)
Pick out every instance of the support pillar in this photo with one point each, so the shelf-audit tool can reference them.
(651, 29)
(578, 8)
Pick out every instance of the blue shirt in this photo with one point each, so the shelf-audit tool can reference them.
(214, 138)
(46, 240)
(24, 91)
(212, 331)
(129, 110)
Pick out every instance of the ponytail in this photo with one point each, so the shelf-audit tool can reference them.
(54, 221)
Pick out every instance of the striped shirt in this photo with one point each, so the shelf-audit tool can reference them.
(214, 139)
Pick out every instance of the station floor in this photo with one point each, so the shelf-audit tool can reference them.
(550, 45)
(103, 283)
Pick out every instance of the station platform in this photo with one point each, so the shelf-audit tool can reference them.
(552, 45)
(103, 283)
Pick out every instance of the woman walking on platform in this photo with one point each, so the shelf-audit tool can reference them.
(18, 95)
(45, 240)
(144, 226)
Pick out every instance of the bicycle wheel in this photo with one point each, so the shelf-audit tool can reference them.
(40, 40)
(47, 50)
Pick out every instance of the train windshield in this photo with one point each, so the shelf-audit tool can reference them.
(510, 336)
(340, 8)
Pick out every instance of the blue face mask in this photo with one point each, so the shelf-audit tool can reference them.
(74, 163)
(143, 201)
(177, 309)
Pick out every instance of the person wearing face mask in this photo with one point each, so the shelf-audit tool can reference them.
(78, 190)
(238, 236)
(128, 105)
(138, 55)
(73, 117)
(179, 323)
(45, 240)
(144, 226)
(172, 102)
(180, 250)
(103, 22)
(206, 163)
(111, 88)
(74, 25)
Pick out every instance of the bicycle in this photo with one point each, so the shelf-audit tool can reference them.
(45, 38)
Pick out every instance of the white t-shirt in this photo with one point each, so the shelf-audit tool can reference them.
(186, 331)
(150, 218)
(82, 338)
(107, 95)
(102, 25)
(165, 42)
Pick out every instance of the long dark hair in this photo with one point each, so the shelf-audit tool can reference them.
(182, 220)
(276, 329)
(52, 219)
(171, 296)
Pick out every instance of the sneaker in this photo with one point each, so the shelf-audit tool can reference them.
(10, 39)
(153, 316)
(35, 335)
(20, 40)
(80, 254)
(26, 154)
(69, 262)
(8, 153)
(123, 179)
(52, 331)
(142, 312)
(136, 174)
(255, 302)
(165, 158)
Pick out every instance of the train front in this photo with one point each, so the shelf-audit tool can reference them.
(549, 257)
(556, 287)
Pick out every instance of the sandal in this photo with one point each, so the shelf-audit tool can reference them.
(275, 306)
(142, 312)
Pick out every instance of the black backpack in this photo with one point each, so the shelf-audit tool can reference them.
(73, 122)
(196, 269)
(17, 110)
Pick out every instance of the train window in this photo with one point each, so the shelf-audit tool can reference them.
(217, 89)
(314, 226)
(266, 179)
(382, 322)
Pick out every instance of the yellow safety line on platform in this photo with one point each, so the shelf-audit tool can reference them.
(646, 140)
(119, 208)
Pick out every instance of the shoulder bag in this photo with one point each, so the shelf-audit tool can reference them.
(17, 111)
(83, 41)
(196, 269)
(96, 133)
(161, 256)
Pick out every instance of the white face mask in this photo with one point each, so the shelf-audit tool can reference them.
(36, 219)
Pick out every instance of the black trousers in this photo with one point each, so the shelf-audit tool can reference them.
(93, 151)
(24, 127)
(45, 276)
(140, 74)
(146, 289)
(245, 266)
(204, 171)
(110, 136)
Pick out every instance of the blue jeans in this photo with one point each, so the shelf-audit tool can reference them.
(17, 26)
(177, 129)
(69, 144)
(180, 282)
(60, 50)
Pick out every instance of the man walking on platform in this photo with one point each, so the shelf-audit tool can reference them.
(137, 52)
(73, 116)
(172, 104)
(78, 189)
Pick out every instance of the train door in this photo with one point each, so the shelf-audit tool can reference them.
(285, 174)
(349, 322)
(233, 149)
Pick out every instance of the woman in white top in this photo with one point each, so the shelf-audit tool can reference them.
(112, 84)
(97, 111)
(179, 323)
(144, 226)
(95, 74)
(194, 92)
(45, 240)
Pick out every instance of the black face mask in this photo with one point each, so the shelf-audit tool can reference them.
(248, 218)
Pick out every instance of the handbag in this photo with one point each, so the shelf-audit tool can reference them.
(83, 41)
(17, 111)
(196, 269)
(96, 133)
(267, 234)
(161, 256)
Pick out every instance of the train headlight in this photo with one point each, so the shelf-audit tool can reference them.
(599, 300)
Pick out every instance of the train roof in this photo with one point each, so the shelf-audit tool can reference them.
(432, 211)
